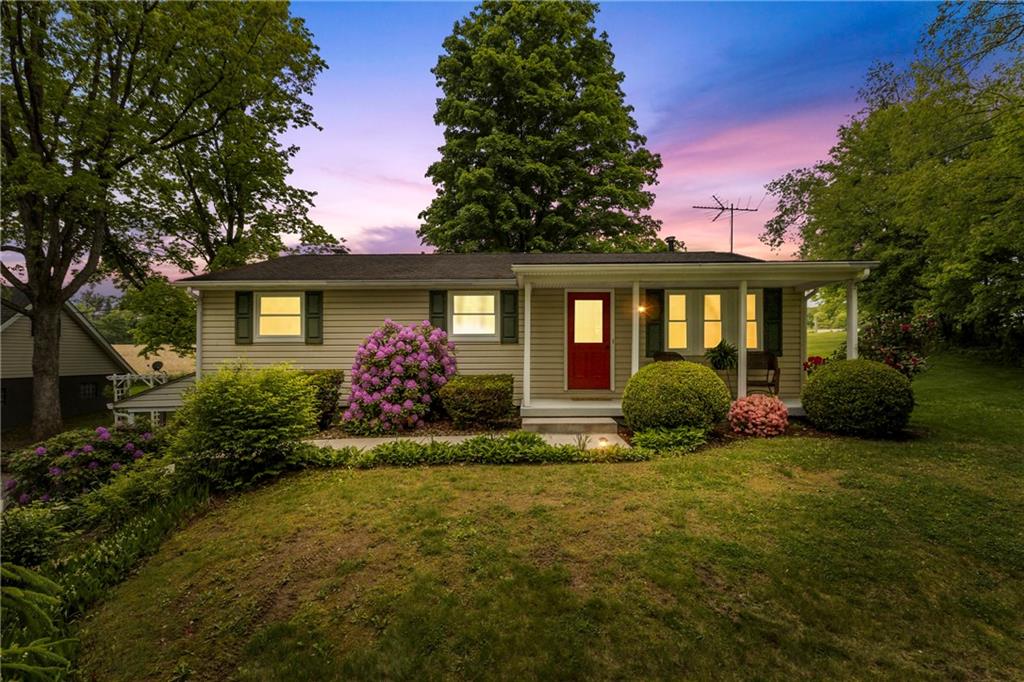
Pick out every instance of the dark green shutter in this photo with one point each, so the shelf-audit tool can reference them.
(654, 303)
(438, 312)
(773, 321)
(510, 316)
(314, 317)
(243, 317)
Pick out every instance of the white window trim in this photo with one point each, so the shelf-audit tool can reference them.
(695, 318)
(450, 313)
(258, 303)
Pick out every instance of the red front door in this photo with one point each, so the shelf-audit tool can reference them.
(589, 340)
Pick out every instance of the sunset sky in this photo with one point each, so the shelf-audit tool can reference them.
(731, 95)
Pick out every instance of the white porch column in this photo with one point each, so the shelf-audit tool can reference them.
(199, 334)
(851, 320)
(527, 337)
(741, 344)
(634, 360)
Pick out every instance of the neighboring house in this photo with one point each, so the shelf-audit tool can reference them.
(86, 359)
(570, 328)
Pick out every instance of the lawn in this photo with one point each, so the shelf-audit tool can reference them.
(823, 343)
(798, 557)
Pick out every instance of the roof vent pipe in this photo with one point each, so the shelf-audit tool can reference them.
(671, 241)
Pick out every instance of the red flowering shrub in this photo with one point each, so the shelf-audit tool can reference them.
(759, 415)
(812, 363)
(397, 372)
(898, 342)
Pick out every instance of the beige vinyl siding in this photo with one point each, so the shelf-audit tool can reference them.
(80, 355)
(349, 316)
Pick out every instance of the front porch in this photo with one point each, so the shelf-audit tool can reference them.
(689, 308)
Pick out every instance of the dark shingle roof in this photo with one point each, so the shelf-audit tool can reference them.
(439, 266)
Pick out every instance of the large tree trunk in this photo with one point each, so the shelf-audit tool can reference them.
(46, 417)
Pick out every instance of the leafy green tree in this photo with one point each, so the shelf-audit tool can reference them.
(927, 179)
(165, 315)
(224, 200)
(94, 96)
(540, 152)
(106, 314)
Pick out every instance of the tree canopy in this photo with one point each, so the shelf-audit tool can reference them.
(929, 180)
(541, 152)
(96, 97)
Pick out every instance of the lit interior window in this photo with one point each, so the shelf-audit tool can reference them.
(280, 315)
(473, 315)
(712, 320)
(588, 321)
(677, 328)
(752, 341)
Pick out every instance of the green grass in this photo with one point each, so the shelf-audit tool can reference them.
(823, 343)
(794, 558)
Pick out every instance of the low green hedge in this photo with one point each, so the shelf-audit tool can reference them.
(859, 398)
(668, 395)
(520, 447)
(478, 399)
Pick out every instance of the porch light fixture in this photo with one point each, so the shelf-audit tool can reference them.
(641, 309)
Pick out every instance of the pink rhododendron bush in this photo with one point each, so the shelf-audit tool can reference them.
(759, 415)
(397, 372)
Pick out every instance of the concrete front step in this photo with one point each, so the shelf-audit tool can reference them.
(570, 425)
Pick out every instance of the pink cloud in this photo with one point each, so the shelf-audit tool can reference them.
(735, 164)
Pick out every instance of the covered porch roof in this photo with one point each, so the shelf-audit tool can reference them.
(803, 275)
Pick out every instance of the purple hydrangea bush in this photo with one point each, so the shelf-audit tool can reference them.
(73, 462)
(396, 374)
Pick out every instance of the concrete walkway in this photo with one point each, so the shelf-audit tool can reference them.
(549, 438)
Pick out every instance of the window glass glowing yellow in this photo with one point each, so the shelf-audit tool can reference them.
(588, 321)
(752, 341)
(713, 307)
(473, 305)
(677, 327)
(677, 335)
(677, 307)
(280, 326)
(473, 315)
(712, 320)
(280, 305)
(473, 324)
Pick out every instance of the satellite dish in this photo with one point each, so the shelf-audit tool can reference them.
(157, 366)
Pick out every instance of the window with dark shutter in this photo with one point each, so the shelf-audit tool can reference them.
(438, 309)
(314, 317)
(773, 321)
(243, 317)
(654, 303)
(510, 316)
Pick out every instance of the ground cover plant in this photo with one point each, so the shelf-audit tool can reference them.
(797, 557)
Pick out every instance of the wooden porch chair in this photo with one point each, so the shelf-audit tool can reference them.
(668, 356)
(762, 361)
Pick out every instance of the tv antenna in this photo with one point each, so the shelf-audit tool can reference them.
(722, 208)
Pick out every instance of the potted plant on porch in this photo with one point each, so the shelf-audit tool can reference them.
(723, 358)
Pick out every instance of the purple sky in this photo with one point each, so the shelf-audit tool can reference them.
(731, 95)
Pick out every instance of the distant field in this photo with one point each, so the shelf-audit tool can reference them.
(823, 343)
(173, 363)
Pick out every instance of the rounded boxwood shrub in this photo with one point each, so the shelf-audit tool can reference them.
(858, 397)
(668, 395)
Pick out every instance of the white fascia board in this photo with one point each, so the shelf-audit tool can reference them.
(273, 284)
(765, 272)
